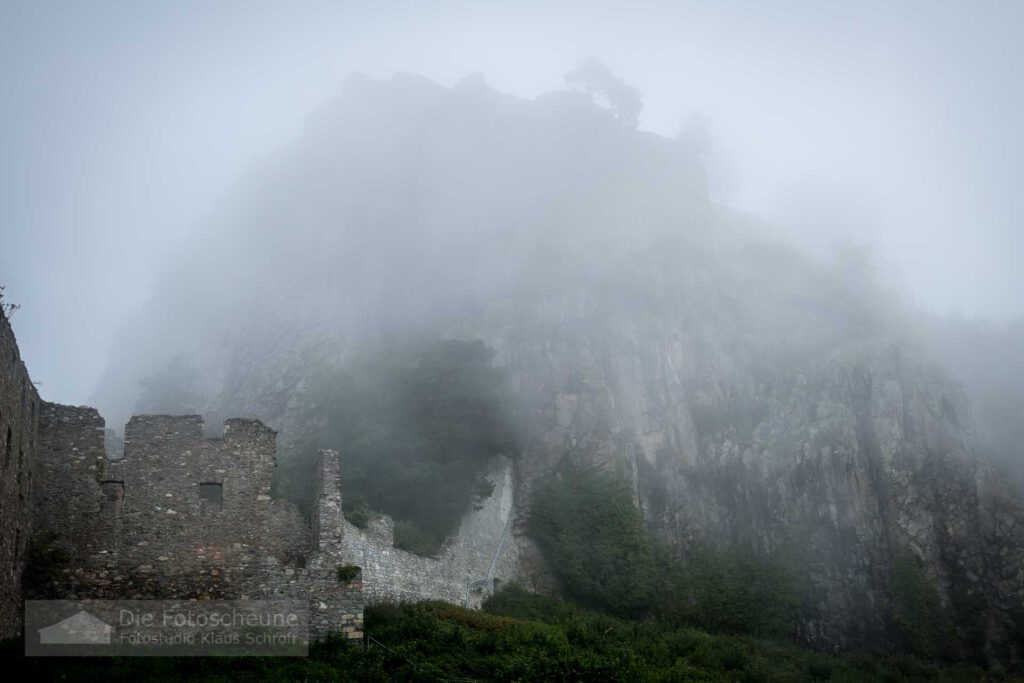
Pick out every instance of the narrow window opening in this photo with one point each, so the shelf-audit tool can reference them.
(113, 496)
(211, 497)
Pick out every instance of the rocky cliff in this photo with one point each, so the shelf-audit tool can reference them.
(751, 395)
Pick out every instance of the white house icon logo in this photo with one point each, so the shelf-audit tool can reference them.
(78, 629)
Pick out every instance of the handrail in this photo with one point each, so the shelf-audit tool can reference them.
(397, 654)
(470, 585)
(501, 542)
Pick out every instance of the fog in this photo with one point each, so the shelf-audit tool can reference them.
(708, 313)
(132, 131)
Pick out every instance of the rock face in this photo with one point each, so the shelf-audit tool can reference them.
(19, 414)
(861, 456)
(751, 396)
(815, 426)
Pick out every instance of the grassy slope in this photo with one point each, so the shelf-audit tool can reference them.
(519, 638)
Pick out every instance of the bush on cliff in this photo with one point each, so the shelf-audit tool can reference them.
(918, 611)
(735, 591)
(595, 540)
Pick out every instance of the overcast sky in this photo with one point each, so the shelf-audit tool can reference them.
(124, 124)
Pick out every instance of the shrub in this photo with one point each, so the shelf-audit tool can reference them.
(918, 611)
(412, 538)
(360, 514)
(736, 591)
(598, 547)
(594, 538)
(435, 641)
(347, 572)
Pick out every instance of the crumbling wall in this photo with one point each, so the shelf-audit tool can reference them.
(179, 515)
(464, 572)
(185, 516)
(188, 516)
(19, 413)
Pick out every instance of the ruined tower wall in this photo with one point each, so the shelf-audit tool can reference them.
(19, 413)
(184, 516)
(188, 516)
(336, 600)
(69, 466)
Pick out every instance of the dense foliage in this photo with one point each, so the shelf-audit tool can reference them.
(519, 637)
(594, 539)
(918, 611)
(736, 591)
(415, 429)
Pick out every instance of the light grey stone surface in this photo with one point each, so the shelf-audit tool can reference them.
(482, 550)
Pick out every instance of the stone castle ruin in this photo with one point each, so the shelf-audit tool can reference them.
(180, 515)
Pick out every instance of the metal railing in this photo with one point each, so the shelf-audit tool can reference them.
(484, 581)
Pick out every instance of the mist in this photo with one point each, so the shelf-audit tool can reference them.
(702, 318)
(126, 129)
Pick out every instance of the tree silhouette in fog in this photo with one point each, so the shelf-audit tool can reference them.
(594, 78)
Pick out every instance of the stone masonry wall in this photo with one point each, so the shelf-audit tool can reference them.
(197, 509)
(69, 466)
(482, 552)
(19, 413)
(180, 516)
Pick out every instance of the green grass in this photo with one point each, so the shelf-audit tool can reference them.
(519, 637)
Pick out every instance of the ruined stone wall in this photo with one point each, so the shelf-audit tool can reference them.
(69, 466)
(19, 413)
(188, 516)
(179, 515)
(482, 552)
